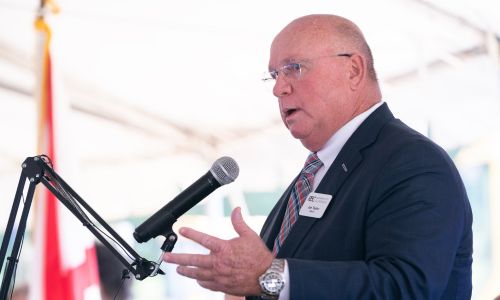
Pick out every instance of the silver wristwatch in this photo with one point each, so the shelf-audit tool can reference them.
(272, 281)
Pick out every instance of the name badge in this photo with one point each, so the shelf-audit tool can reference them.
(315, 205)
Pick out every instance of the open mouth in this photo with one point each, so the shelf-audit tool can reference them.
(290, 112)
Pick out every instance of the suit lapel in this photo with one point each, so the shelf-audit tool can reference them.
(330, 185)
(346, 162)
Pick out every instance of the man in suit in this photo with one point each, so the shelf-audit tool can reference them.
(388, 218)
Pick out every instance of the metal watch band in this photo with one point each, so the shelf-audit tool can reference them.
(278, 265)
(276, 270)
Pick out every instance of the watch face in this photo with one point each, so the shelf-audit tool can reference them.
(273, 283)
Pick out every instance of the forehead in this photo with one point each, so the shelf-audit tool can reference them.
(299, 41)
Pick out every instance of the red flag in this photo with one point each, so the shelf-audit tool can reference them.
(65, 267)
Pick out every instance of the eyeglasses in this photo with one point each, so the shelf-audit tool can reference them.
(292, 70)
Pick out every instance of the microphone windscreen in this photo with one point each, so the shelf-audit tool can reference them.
(225, 170)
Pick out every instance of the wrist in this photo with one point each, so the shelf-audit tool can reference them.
(272, 280)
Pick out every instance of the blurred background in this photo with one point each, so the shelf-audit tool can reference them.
(155, 91)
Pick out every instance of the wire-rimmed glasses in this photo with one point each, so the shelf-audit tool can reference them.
(291, 71)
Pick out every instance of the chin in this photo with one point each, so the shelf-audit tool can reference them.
(302, 138)
(297, 134)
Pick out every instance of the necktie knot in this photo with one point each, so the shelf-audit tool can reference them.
(312, 164)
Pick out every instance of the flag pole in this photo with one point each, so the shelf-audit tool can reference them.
(67, 266)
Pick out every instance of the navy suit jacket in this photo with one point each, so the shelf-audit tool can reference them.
(398, 226)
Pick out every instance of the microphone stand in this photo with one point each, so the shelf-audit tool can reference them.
(37, 169)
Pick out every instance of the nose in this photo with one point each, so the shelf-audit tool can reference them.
(282, 87)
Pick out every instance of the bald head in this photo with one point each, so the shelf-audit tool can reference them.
(335, 32)
(324, 76)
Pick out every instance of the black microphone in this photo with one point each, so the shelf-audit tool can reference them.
(224, 170)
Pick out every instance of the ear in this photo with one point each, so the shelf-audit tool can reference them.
(357, 71)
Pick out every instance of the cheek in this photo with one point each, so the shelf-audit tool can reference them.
(334, 93)
(330, 104)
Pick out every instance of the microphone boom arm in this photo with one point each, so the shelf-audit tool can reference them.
(36, 170)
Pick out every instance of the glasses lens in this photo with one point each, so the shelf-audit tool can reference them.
(268, 82)
(292, 70)
(270, 75)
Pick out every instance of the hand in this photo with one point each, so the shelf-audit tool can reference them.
(231, 297)
(232, 266)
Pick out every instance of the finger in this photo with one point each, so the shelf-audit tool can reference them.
(210, 285)
(195, 260)
(207, 241)
(239, 224)
(195, 273)
(217, 285)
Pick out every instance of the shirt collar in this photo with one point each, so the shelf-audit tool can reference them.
(332, 147)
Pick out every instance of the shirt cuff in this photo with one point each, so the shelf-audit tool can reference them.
(285, 293)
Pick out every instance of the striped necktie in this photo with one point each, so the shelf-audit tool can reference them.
(300, 191)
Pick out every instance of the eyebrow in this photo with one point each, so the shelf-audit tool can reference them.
(284, 62)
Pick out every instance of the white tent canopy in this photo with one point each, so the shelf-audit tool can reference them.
(159, 90)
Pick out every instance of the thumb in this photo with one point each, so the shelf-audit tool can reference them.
(239, 224)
